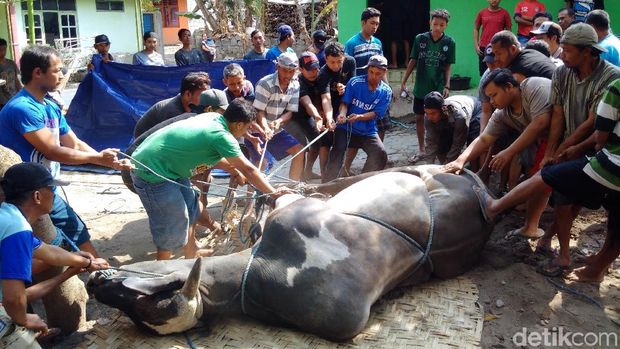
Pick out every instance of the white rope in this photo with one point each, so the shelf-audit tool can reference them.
(297, 154)
(177, 183)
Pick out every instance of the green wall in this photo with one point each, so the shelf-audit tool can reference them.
(461, 26)
(4, 28)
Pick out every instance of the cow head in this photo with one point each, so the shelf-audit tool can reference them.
(163, 305)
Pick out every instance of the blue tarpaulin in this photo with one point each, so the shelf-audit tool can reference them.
(111, 99)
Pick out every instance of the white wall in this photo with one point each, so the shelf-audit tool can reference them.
(120, 27)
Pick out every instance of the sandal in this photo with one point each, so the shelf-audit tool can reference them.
(546, 251)
(416, 158)
(552, 269)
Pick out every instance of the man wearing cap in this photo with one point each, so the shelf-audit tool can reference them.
(192, 85)
(166, 160)
(102, 46)
(366, 99)
(277, 98)
(599, 20)
(29, 193)
(314, 115)
(551, 33)
(187, 54)
(319, 37)
(34, 127)
(576, 90)
(450, 123)
(287, 40)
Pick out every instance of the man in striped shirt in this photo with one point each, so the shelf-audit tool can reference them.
(277, 98)
(591, 182)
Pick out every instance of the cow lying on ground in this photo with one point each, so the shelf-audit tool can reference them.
(319, 265)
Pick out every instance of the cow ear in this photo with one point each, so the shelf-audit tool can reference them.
(150, 286)
(190, 289)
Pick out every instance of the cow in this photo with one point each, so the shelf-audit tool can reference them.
(320, 264)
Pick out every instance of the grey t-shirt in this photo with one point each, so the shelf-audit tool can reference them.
(579, 98)
(10, 73)
(160, 111)
(252, 55)
(534, 103)
(481, 95)
(154, 59)
(193, 56)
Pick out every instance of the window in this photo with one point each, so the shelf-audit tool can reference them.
(110, 5)
(38, 32)
(170, 13)
(51, 5)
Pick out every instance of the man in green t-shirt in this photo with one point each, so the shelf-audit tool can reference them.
(432, 55)
(169, 157)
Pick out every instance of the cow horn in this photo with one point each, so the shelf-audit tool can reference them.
(190, 288)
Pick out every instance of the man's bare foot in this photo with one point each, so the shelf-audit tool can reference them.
(585, 274)
(204, 252)
(527, 233)
(485, 203)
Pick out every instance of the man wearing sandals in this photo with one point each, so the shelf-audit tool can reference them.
(522, 109)
(163, 169)
(591, 182)
(28, 190)
(576, 90)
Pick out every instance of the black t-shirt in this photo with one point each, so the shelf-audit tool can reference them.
(332, 78)
(312, 89)
(532, 63)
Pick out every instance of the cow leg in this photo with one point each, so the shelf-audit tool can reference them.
(65, 306)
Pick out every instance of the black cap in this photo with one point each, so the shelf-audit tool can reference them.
(320, 36)
(102, 39)
(27, 176)
(433, 100)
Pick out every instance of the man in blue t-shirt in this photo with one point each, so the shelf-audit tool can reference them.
(29, 193)
(287, 40)
(366, 99)
(33, 126)
(364, 45)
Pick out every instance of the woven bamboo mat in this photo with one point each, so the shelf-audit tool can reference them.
(439, 314)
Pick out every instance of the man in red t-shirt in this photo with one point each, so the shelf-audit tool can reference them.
(492, 19)
(524, 14)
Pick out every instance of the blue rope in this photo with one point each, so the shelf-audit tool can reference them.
(190, 343)
(245, 276)
(574, 292)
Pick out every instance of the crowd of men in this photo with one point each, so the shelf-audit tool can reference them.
(547, 116)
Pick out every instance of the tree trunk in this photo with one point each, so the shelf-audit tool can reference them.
(65, 306)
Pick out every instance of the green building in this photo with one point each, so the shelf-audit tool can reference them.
(461, 26)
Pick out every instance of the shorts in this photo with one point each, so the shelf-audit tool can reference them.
(68, 224)
(304, 131)
(576, 187)
(473, 131)
(171, 210)
(327, 140)
(384, 123)
(418, 106)
(276, 147)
